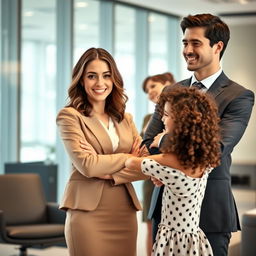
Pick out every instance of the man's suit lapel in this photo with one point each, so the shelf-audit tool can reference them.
(216, 88)
(219, 85)
(96, 128)
(186, 82)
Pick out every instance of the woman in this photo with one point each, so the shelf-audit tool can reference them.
(100, 201)
(152, 86)
(191, 148)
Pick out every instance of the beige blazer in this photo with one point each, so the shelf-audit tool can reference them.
(84, 188)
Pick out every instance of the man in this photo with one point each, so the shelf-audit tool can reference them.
(205, 40)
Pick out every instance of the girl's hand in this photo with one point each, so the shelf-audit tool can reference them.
(87, 147)
(156, 182)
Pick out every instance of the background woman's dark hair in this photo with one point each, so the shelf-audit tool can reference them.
(215, 29)
(196, 135)
(115, 102)
(161, 78)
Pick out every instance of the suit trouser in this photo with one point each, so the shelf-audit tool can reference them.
(219, 243)
(156, 217)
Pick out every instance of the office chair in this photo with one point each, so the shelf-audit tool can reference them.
(26, 218)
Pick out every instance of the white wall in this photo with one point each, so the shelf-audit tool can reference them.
(239, 64)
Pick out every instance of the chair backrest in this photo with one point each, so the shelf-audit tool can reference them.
(22, 199)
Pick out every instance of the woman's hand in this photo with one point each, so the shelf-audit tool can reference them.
(87, 147)
(106, 177)
(136, 147)
(143, 152)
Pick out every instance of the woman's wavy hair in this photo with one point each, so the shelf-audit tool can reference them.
(195, 138)
(115, 102)
(161, 78)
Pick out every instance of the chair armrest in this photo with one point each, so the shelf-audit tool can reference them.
(54, 214)
(2, 227)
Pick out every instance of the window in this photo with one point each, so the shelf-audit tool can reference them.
(86, 26)
(125, 50)
(38, 69)
(158, 46)
(158, 43)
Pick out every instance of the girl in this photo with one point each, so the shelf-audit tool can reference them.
(190, 149)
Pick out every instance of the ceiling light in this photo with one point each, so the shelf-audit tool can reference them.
(81, 4)
(82, 26)
(243, 2)
(28, 13)
(151, 18)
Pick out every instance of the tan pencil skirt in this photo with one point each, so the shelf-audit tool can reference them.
(110, 230)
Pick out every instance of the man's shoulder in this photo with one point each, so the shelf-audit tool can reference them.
(224, 80)
(225, 91)
(236, 88)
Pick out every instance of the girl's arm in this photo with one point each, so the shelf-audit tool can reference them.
(170, 160)
(134, 163)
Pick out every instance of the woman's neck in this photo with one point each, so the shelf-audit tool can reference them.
(98, 111)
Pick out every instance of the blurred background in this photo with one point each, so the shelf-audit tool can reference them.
(40, 41)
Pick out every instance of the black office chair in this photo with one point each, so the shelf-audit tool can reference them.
(26, 218)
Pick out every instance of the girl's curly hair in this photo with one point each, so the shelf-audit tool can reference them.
(195, 138)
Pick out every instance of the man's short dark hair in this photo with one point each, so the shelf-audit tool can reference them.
(215, 29)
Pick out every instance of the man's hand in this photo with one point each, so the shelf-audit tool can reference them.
(157, 139)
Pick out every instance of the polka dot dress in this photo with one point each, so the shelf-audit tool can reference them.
(179, 232)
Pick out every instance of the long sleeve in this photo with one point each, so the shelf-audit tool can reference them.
(154, 127)
(178, 182)
(126, 175)
(165, 174)
(234, 121)
(71, 132)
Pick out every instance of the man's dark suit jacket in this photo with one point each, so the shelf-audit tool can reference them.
(218, 213)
